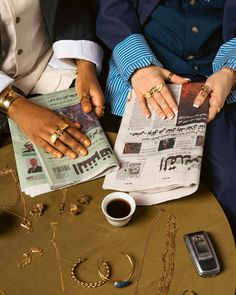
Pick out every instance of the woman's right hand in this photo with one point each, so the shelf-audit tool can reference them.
(144, 79)
(39, 124)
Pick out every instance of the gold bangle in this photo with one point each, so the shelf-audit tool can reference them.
(234, 72)
(7, 97)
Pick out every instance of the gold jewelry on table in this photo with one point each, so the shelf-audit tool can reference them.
(121, 282)
(85, 96)
(8, 171)
(84, 199)
(74, 209)
(89, 284)
(170, 76)
(189, 292)
(63, 201)
(37, 210)
(7, 96)
(26, 223)
(58, 256)
(168, 257)
(160, 212)
(28, 256)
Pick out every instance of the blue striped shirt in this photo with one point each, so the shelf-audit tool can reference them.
(134, 53)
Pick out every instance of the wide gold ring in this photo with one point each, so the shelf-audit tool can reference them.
(205, 91)
(158, 88)
(85, 96)
(148, 94)
(55, 136)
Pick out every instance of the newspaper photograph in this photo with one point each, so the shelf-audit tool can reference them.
(40, 172)
(160, 160)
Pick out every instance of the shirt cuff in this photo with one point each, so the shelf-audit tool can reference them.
(133, 53)
(81, 49)
(5, 81)
(226, 57)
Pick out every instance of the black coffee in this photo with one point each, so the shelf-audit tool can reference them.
(118, 208)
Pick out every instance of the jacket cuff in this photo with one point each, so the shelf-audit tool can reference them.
(133, 53)
(81, 49)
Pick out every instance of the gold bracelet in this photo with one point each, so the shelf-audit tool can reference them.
(7, 96)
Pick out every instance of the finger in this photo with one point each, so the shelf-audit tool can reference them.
(174, 78)
(202, 95)
(74, 124)
(143, 105)
(167, 102)
(79, 136)
(213, 110)
(48, 148)
(99, 110)
(85, 102)
(158, 110)
(69, 151)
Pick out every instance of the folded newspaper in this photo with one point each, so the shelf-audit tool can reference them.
(160, 159)
(39, 172)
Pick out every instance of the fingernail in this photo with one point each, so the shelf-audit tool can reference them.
(58, 155)
(195, 105)
(87, 142)
(83, 152)
(147, 116)
(72, 155)
(175, 110)
(170, 117)
(187, 79)
(163, 117)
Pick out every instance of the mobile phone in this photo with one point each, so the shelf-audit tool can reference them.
(202, 252)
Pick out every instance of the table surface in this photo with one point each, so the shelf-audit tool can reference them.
(90, 236)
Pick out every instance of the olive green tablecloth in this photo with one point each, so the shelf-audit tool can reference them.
(89, 235)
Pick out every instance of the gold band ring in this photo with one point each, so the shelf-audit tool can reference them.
(54, 137)
(155, 89)
(85, 96)
(205, 91)
(170, 76)
(158, 88)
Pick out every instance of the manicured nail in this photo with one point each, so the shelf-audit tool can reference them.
(195, 105)
(87, 142)
(187, 79)
(163, 117)
(58, 155)
(170, 117)
(147, 116)
(83, 152)
(175, 110)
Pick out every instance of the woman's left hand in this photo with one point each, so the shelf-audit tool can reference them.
(216, 88)
(88, 88)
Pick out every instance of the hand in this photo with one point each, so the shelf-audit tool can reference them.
(218, 87)
(87, 84)
(163, 103)
(39, 123)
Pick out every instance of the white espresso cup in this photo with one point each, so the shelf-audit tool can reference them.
(118, 208)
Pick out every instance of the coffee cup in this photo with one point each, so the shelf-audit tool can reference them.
(118, 208)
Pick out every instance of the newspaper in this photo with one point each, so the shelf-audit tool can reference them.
(160, 159)
(49, 173)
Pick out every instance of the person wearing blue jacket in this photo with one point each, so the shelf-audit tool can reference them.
(153, 42)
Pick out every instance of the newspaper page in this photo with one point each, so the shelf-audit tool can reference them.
(160, 159)
(54, 173)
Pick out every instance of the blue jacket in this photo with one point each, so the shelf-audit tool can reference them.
(117, 19)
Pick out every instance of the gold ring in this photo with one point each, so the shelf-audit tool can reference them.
(148, 94)
(54, 137)
(170, 76)
(205, 90)
(218, 109)
(85, 96)
(158, 88)
(62, 125)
